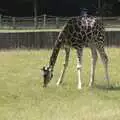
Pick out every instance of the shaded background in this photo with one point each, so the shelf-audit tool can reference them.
(57, 7)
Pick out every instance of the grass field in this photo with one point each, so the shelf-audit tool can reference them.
(22, 96)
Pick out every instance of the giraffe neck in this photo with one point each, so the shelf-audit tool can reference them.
(54, 55)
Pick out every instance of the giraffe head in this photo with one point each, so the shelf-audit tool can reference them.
(47, 75)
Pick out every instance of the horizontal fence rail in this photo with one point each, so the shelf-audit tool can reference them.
(46, 22)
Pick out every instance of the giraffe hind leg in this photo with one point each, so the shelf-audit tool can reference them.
(93, 65)
(60, 80)
(104, 59)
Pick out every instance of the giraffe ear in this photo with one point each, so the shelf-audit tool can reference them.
(43, 69)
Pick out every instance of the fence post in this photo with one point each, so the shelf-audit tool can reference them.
(35, 22)
(57, 20)
(14, 22)
(0, 20)
(44, 20)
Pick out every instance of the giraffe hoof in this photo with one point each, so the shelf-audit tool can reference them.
(110, 87)
(57, 84)
(79, 87)
(90, 85)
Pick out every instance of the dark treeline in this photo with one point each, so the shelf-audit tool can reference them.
(58, 7)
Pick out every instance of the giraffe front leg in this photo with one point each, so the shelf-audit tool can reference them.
(60, 80)
(79, 67)
(93, 66)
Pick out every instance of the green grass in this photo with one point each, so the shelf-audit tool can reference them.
(22, 96)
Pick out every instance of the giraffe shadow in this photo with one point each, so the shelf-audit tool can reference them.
(111, 88)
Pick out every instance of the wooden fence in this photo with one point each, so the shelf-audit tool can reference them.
(27, 32)
(45, 21)
(39, 40)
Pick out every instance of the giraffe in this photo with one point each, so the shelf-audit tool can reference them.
(77, 33)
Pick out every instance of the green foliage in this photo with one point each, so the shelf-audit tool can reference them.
(22, 96)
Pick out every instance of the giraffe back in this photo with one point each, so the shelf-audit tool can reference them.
(82, 31)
